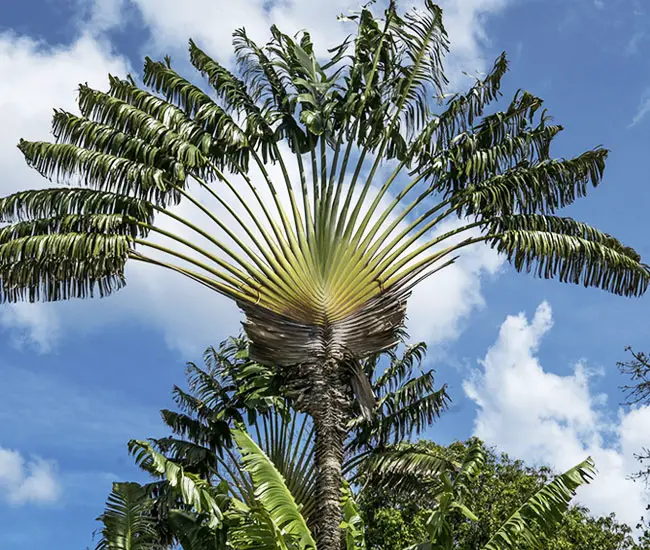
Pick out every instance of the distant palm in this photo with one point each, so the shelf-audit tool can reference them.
(323, 276)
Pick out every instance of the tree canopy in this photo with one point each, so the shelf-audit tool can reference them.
(395, 520)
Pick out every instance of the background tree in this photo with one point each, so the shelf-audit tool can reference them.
(323, 276)
(395, 519)
(638, 369)
(638, 393)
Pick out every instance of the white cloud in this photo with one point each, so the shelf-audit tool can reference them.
(440, 304)
(172, 23)
(543, 417)
(466, 24)
(28, 324)
(38, 78)
(642, 110)
(24, 482)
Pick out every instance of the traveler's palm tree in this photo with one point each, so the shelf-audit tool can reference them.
(321, 258)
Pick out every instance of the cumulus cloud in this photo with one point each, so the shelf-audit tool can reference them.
(441, 303)
(29, 324)
(466, 24)
(171, 23)
(37, 78)
(543, 417)
(26, 481)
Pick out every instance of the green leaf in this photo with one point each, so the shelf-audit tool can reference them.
(62, 266)
(65, 162)
(128, 520)
(195, 492)
(352, 523)
(46, 203)
(193, 535)
(542, 512)
(272, 493)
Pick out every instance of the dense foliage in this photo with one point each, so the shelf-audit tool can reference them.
(238, 471)
(396, 520)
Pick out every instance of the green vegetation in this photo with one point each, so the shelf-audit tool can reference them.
(502, 486)
(238, 473)
(381, 183)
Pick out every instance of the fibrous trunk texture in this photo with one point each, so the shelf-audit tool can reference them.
(322, 372)
(328, 409)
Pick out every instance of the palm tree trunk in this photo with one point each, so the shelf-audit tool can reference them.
(327, 407)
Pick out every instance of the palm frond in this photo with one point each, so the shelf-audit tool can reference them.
(195, 457)
(423, 43)
(411, 409)
(575, 259)
(400, 369)
(65, 162)
(543, 511)
(62, 202)
(128, 520)
(408, 468)
(257, 531)
(33, 269)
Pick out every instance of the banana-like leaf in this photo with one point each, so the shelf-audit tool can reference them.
(352, 524)
(542, 512)
(272, 493)
(195, 492)
(258, 531)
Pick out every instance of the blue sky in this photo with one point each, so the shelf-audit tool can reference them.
(77, 380)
